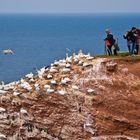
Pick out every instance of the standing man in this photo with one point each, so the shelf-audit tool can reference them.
(130, 36)
(109, 41)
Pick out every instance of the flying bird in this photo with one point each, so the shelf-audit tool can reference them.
(7, 51)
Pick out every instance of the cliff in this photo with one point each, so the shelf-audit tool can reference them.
(77, 98)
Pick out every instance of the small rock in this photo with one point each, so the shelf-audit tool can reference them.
(111, 67)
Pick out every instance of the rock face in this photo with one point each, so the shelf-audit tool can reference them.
(84, 103)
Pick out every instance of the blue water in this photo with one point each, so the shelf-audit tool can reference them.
(38, 40)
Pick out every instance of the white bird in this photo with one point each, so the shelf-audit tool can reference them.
(32, 80)
(36, 85)
(2, 110)
(22, 80)
(76, 60)
(50, 90)
(66, 70)
(2, 85)
(68, 58)
(62, 92)
(7, 87)
(47, 86)
(10, 85)
(53, 82)
(85, 64)
(16, 93)
(30, 75)
(23, 111)
(80, 62)
(53, 70)
(56, 63)
(75, 87)
(49, 76)
(68, 65)
(80, 54)
(41, 72)
(90, 90)
(7, 51)
(37, 88)
(62, 65)
(2, 91)
(90, 58)
(2, 137)
(65, 80)
(26, 85)
(87, 125)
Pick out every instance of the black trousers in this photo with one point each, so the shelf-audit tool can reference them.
(109, 50)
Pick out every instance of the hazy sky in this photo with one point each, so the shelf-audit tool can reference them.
(68, 6)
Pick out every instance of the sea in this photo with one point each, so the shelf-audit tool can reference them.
(39, 39)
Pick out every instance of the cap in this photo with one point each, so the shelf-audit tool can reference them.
(107, 30)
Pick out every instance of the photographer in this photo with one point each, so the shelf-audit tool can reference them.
(109, 41)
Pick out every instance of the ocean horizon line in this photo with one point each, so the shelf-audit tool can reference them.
(73, 14)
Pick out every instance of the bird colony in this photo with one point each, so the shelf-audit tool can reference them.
(54, 103)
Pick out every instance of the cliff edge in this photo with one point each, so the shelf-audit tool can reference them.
(77, 98)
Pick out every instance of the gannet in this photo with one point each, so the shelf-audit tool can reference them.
(7, 51)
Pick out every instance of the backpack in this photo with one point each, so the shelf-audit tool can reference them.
(116, 46)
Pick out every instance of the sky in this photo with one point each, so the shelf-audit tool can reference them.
(69, 6)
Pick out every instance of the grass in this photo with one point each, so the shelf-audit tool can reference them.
(120, 55)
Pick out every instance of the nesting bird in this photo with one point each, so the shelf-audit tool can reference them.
(65, 80)
(2, 91)
(41, 72)
(53, 82)
(62, 64)
(53, 70)
(2, 110)
(68, 65)
(66, 70)
(23, 111)
(47, 86)
(2, 85)
(49, 76)
(37, 88)
(75, 87)
(50, 90)
(30, 75)
(62, 92)
(26, 85)
(16, 93)
(80, 63)
(2, 137)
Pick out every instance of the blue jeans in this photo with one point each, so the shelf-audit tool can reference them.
(131, 47)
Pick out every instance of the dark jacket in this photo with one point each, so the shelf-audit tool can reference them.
(130, 36)
(110, 39)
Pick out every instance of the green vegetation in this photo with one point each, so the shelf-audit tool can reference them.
(120, 55)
